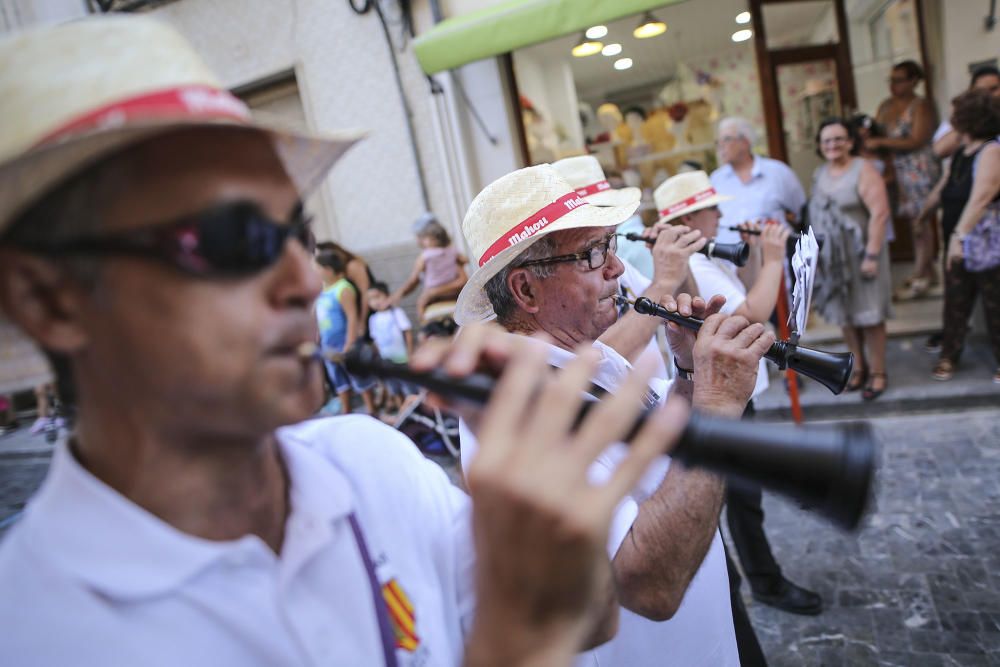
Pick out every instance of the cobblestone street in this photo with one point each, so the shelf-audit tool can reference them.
(918, 586)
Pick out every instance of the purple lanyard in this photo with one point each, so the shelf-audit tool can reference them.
(381, 611)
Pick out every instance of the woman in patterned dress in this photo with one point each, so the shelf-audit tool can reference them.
(909, 121)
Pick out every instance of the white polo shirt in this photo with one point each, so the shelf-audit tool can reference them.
(773, 189)
(701, 633)
(89, 578)
(717, 276)
(633, 284)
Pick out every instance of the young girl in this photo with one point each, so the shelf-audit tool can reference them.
(338, 317)
(440, 264)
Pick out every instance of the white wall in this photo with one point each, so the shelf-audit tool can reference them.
(965, 40)
(346, 80)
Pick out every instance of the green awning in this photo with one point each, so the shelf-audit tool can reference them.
(513, 24)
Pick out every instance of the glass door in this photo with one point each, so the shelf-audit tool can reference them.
(808, 93)
(804, 60)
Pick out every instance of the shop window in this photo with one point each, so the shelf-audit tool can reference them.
(641, 106)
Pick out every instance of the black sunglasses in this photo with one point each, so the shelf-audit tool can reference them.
(595, 256)
(231, 240)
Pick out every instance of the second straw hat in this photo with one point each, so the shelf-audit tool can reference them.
(584, 174)
(685, 193)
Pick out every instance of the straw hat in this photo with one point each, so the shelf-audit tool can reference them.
(584, 174)
(512, 213)
(685, 193)
(74, 93)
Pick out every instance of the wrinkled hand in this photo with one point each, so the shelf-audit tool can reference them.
(773, 241)
(680, 339)
(672, 245)
(956, 251)
(540, 527)
(727, 353)
(869, 268)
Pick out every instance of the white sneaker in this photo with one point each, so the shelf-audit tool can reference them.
(39, 425)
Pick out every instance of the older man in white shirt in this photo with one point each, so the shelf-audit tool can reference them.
(759, 187)
(690, 200)
(547, 264)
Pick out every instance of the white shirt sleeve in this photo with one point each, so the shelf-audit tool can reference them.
(402, 319)
(943, 129)
(712, 279)
(794, 196)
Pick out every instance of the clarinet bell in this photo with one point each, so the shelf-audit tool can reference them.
(738, 253)
(830, 369)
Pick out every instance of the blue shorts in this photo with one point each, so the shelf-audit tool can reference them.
(400, 388)
(343, 381)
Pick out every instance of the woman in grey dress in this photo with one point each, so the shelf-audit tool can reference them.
(849, 206)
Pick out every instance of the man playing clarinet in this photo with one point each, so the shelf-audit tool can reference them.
(547, 266)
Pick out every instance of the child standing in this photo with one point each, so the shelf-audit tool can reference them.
(338, 316)
(440, 264)
(392, 332)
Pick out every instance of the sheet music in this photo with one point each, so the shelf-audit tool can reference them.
(804, 263)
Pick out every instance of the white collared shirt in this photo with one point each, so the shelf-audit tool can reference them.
(701, 633)
(89, 578)
(773, 189)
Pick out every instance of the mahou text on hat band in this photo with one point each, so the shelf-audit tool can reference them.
(690, 201)
(534, 224)
(593, 188)
(186, 101)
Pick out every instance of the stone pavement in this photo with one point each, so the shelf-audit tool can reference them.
(919, 585)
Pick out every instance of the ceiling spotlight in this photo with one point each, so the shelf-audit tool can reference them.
(623, 63)
(597, 31)
(586, 47)
(611, 50)
(649, 26)
(742, 35)
(743, 17)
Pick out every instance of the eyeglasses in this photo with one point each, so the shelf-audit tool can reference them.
(595, 256)
(834, 140)
(232, 240)
(726, 140)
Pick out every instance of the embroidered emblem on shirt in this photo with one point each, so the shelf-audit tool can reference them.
(402, 616)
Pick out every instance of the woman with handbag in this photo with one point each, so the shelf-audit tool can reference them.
(973, 255)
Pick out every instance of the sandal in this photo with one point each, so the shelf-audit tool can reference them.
(917, 288)
(944, 370)
(859, 376)
(871, 393)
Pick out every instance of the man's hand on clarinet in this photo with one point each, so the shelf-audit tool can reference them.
(680, 339)
(540, 526)
(727, 353)
(672, 245)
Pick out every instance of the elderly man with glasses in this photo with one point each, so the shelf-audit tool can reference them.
(759, 187)
(547, 268)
